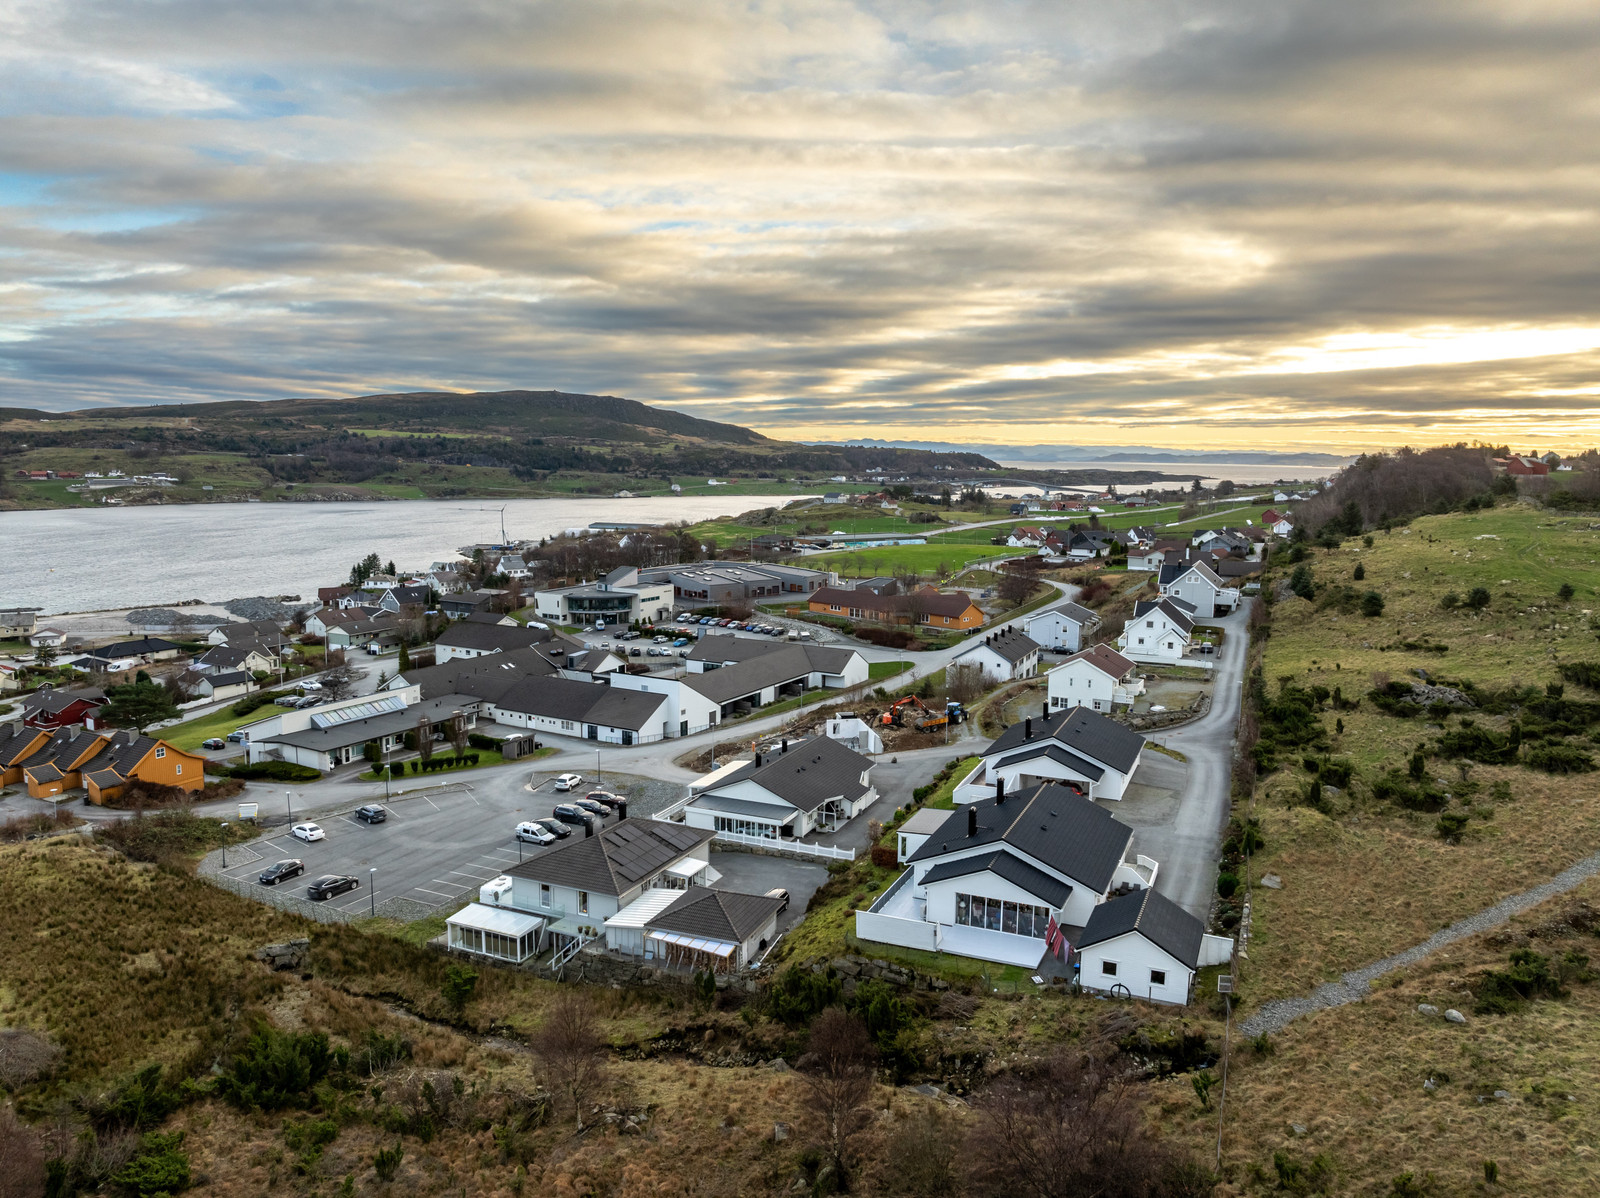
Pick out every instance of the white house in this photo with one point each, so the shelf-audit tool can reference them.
(814, 785)
(1198, 585)
(556, 706)
(472, 638)
(220, 685)
(576, 885)
(825, 665)
(1061, 627)
(914, 833)
(1158, 631)
(334, 734)
(989, 880)
(854, 733)
(1098, 678)
(1076, 747)
(618, 598)
(1001, 656)
(1143, 945)
(1026, 536)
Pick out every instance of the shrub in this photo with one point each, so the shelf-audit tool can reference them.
(396, 769)
(1301, 584)
(1584, 673)
(1565, 592)
(1450, 601)
(1372, 604)
(160, 1168)
(276, 1069)
(260, 699)
(1359, 573)
(1450, 826)
(1559, 759)
(1227, 884)
(478, 741)
(387, 1163)
(1500, 992)
(883, 856)
(1478, 598)
(276, 771)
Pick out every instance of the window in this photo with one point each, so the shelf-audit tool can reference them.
(1158, 977)
(161, 752)
(180, 767)
(1109, 968)
(544, 894)
(583, 902)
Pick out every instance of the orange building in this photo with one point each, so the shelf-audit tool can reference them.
(103, 763)
(929, 607)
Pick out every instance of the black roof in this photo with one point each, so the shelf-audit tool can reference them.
(1172, 571)
(591, 702)
(1013, 869)
(725, 915)
(808, 775)
(487, 677)
(1168, 607)
(788, 663)
(145, 644)
(616, 860)
(1084, 732)
(1010, 643)
(1072, 611)
(47, 699)
(491, 638)
(1051, 824)
(1157, 918)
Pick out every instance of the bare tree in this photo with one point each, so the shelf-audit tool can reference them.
(570, 1052)
(340, 682)
(1015, 587)
(838, 1068)
(24, 1057)
(923, 1156)
(21, 1158)
(964, 683)
(425, 738)
(458, 733)
(1071, 1127)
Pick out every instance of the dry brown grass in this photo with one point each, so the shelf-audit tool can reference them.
(1353, 1078)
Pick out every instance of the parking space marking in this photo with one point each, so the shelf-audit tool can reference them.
(463, 872)
(440, 893)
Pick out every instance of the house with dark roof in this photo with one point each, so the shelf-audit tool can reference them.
(1061, 627)
(217, 685)
(990, 880)
(560, 706)
(144, 648)
(464, 603)
(101, 763)
(1198, 585)
(576, 885)
(814, 785)
(709, 928)
(829, 665)
(1143, 945)
(469, 638)
(50, 708)
(1074, 747)
(1098, 678)
(244, 655)
(335, 734)
(1003, 656)
(488, 677)
(1158, 631)
(264, 633)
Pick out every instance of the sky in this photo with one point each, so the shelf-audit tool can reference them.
(1266, 224)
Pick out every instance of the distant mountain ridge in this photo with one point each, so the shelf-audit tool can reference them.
(1089, 454)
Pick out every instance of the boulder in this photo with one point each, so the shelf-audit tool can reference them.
(1430, 1085)
(1455, 1016)
(1427, 1008)
(291, 954)
(1272, 881)
(778, 1065)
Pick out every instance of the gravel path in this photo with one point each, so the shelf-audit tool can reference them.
(1357, 984)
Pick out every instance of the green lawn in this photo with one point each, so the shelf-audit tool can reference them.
(190, 733)
(941, 798)
(879, 670)
(932, 558)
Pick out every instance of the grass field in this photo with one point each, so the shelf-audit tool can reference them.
(932, 558)
(190, 733)
(1396, 878)
(877, 671)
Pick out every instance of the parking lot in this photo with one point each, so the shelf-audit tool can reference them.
(437, 849)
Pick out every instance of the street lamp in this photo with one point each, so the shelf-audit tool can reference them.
(598, 781)
(372, 881)
(288, 799)
(224, 844)
(385, 765)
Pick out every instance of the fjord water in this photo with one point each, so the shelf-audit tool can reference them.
(92, 559)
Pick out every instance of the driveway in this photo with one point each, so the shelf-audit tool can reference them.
(1190, 842)
(752, 873)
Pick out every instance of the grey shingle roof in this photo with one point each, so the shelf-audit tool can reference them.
(49, 700)
(137, 648)
(227, 678)
(808, 775)
(725, 915)
(1050, 824)
(621, 708)
(615, 860)
(1002, 864)
(355, 732)
(787, 664)
(486, 677)
(1172, 571)
(1169, 608)
(1010, 643)
(1156, 917)
(584, 702)
(491, 638)
(726, 649)
(1085, 732)
(1073, 611)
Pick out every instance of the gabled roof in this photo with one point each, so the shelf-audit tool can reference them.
(1155, 917)
(137, 648)
(487, 677)
(47, 700)
(616, 860)
(1173, 571)
(1049, 824)
(15, 738)
(1170, 609)
(1003, 865)
(587, 702)
(1080, 730)
(226, 678)
(1103, 658)
(810, 773)
(251, 630)
(787, 664)
(1012, 644)
(233, 655)
(725, 915)
(491, 638)
(926, 600)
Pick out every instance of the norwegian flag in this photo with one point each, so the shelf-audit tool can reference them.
(1054, 938)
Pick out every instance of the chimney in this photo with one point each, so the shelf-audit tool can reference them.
(1027, 728)
(1044, 712)
(785, 744)
(972, 821)
(999, 791)
(758, 761)
(588, 827)
(622, 810)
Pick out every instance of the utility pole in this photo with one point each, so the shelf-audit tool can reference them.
(288, 800)
(224, 845)
(372, 893)
(1225, 988)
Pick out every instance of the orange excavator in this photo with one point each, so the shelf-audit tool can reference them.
(921, 717)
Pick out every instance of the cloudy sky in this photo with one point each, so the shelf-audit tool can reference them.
(1276, 224)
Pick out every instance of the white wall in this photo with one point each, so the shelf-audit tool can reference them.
(1079, 684)
(889, 929)
(1054, 630)
(1153, 637)
(1135, 957)
(684, 703)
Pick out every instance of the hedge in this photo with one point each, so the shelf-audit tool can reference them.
(276, 771)
(478, 741)
(434, 764)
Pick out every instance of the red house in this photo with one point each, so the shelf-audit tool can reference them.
(1523, 464)
(48, 709)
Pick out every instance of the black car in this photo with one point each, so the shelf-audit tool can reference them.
(329, 885)
(559, 830)
(570, 813)
(283, 870)
(598, 810)
(605, 798)
(371, 814)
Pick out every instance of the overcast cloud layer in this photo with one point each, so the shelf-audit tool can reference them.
(1275, 224)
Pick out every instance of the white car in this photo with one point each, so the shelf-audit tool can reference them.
(311, 686)
(307, 832)
(535, 833)
(568, 781)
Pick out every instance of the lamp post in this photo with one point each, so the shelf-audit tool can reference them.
(372, 894)
(598, 781)
(385, 764)
(224, 844)
(288, 800)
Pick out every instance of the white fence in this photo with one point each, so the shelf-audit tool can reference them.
(796, 848)
(891, 929)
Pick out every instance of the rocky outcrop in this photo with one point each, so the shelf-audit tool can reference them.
(292, 954)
